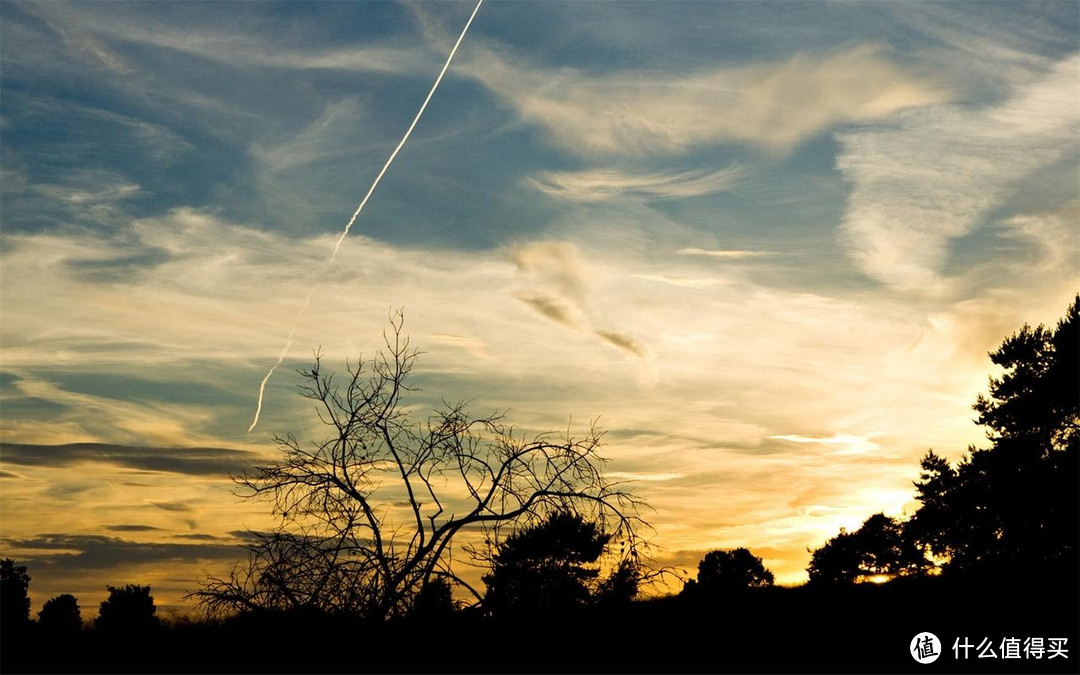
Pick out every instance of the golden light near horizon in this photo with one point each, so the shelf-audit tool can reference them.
(766, 250)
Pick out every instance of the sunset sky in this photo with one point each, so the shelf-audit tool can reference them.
(767, 245)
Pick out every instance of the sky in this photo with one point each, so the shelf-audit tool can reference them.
(766, 246)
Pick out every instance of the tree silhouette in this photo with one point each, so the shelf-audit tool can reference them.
(553, 566)
(731, 571)
(1037, 399)
(434, 600)
(61, 614)
(624, 583)
(128, 608)
(14, 594)
(878, 548)
(1013, 505)
(369, 515)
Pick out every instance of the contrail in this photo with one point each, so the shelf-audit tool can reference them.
(288, 346)
(409, 131)
(364, 201)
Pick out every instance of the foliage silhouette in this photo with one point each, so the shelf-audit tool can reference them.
(1015, 505)
(879, 547)
(553, 566)
(369, 515)
(624, 583)
(61, 614)
(14, 594)
(434, 600)
(730, 571)
(128, 608)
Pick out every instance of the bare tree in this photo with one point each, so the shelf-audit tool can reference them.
(369, 515)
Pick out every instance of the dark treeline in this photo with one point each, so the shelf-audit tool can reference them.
(854, 629)
(988, 563)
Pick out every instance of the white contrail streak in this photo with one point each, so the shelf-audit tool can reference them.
(363, 202)
(409, 131)
(288, 346)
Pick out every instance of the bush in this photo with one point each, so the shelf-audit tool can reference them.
(61, 614)
(128, 608)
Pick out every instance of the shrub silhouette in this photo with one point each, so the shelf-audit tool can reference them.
(61, 614)
(130, 608)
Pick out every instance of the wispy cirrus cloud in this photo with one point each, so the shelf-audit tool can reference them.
(218, 462)
(773, 106)
(723, 254)
(79, 415)
(556, 265)
(75, 552)
(936, 174)
(724, 359)
(557, 278)
(174, 506)
(553, 307)
(96, 33)
(597, 185)
(626, 342)
(844, 444)
(682, 280)
(78, 41)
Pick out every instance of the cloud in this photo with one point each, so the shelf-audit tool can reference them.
(559, 271)
(474, 347)
(88, 189)
(641, 476)
(555, 274)
(92, 125)
(625, 342)
(222, 294)
(54, 553)
(175, 507)
(76, 40)
(846, 444)
(189, 461)
(201, 536)
(206, 35)
(597, 185)
(552, 307)
(1052, 236)
(80, 416)
(332, 137)
(934, 176)
(679, 280)
(774, 106)
(720, 254)
(216, 298)
(557, 265)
